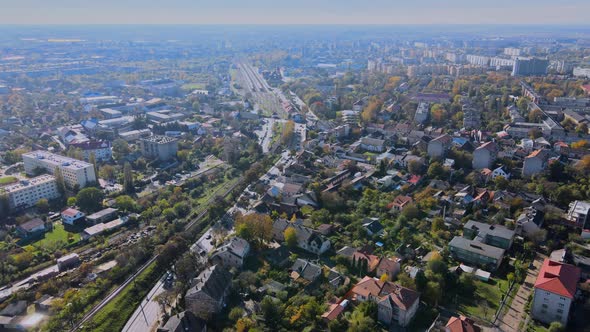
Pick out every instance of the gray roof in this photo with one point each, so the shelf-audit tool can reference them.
(306, 269)
(213, 282)
(477, 247)
(182, 322)
(491, 230)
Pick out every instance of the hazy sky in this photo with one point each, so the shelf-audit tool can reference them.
(294, 11)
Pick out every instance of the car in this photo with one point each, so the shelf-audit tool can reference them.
(208, 237)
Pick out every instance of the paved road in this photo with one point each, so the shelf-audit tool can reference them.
(516, 313)
(147, 316)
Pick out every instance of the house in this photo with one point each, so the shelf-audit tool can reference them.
(475, 252)
(461, 324)
(529, 222)
(577, 214)
(31, 228)
(307, 239)
(334, 311)
(438, 146)
(389, 267)
(554, 292)
(182, 322)
(399, 203)
(72, 216)
(372, 144)
(484, 155)
(232, 253)
(535, 162)
(500, 171)
(373, 226)
(305, 270)
(209, 291)
(395, 304)
(494, 235)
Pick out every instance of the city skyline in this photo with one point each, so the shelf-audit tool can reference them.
(301, 12)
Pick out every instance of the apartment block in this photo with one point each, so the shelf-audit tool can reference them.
(27, 193)
(74, 171)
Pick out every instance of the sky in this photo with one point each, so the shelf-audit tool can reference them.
(294, 12)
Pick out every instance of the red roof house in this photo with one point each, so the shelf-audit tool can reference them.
(558, 278)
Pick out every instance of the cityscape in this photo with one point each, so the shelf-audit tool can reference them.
(234, 168)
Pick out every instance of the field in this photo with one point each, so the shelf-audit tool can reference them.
(193, 86)
(57, 236)
(486, 299)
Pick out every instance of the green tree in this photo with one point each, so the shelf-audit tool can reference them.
(556, 327)
(125, 203)
(42, 205)
(359, 322)
(433, 293)
(128, 178)
(71, 201)
(120, 149)
(90, 199)
(435, 170)
(60, 181)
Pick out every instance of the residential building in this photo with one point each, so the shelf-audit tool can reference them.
(160, 147)
(529, 222)
(305, 271)
(530, 67)
(475, 252)
(494, 235)
(373, 226)
(554, 292)
(26, 193)
(72, 216)
(184, 322)
(134, 135)
(100, 149)
(75, 172)
(399, 203)
(307, 239)
(389, 267)
(232, 253)
(581, 72)
(31, 228)
(535, 163)
(422, 113)
(395, 304)
(461, 324)
(484, 155)
(438, 147)
(372, 144)
(209, 291)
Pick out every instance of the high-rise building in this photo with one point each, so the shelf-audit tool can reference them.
(512, 51)
(530, 67)
(75, 172)
(582, 72)
(161, 147)
(26, 193)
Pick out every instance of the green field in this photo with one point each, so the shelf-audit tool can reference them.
(8, 180)
(58, 234)
(485, 301)
(193, 86)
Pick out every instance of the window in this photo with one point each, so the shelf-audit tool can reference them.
(561, 305)
(559, 311)
(544, 305)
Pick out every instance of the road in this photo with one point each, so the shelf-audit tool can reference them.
(147, 315)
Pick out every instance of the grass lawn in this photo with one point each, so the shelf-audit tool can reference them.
(115, 314)
(486, 300)
(193, 86)
(8, 180)
(57, 234)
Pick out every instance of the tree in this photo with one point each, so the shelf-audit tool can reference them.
(90, 199)
(71, 201)
(415, 167)
(359, 322)
(107, 172)
(535, 115)
(435, 170)
(290, 237)
(120, 149)
(92, 160)
(42, 205)
(582, 128)
(235, 314)
(254, 227)
(59, 180)
(127, 178)
(556, 327)
(522, 104)
(433, 293)
(125, 203)
(4, 205)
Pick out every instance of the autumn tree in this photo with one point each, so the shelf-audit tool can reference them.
(290, 237)
(254, 227)
(128, 178)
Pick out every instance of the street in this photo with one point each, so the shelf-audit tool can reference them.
(147, 315)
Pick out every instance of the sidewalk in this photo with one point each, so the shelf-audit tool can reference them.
(510, 321)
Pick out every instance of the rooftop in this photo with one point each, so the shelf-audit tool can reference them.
(160, 139)
(28, 183)
(477, 247)
(558, 278)
(57, 160)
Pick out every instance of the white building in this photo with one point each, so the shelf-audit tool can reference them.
(555, 289)
(27, 193)
(582, 72)
(161, 147)
(75, 172)
(70, 216)
(422, 112)
(484, 155)
(101, 149)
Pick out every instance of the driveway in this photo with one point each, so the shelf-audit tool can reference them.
(516, 314)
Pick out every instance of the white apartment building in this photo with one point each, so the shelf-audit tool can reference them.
(74, 171)
(581, 72)
(555, 290)
(27, 193)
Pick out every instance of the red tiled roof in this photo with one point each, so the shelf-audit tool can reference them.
(402, 297)
(558, 278)
(461, 324)
(488, 146)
